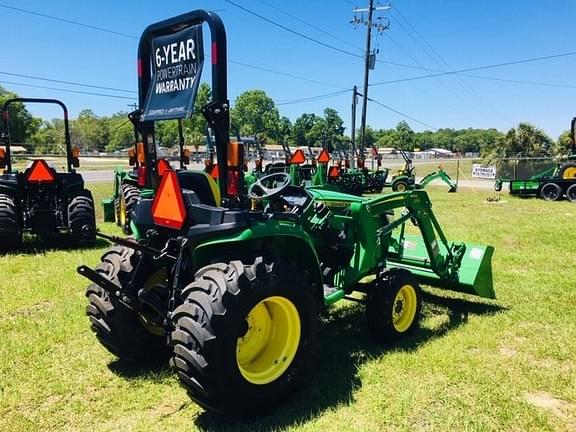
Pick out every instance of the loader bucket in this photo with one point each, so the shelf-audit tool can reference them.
(474, 275)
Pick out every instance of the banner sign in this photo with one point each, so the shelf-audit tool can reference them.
(177, 61)
(484, 171)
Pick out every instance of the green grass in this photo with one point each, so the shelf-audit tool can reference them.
(471, 365)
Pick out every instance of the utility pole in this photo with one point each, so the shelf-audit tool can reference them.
(369, 55)
(353, 136)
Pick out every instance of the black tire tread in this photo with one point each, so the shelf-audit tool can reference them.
(131, 196)
(10, 229)
(81, 213)
(117, 327)
(380, 301)
(197, 339)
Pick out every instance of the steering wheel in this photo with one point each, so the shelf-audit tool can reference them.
(257, 191)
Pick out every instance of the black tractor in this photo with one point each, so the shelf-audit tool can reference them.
(40, 200)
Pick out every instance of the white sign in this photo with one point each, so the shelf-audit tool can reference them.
(484, 171)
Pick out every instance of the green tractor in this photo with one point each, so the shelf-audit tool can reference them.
(232, 293)
(129, 183)
(405, 178)
(41, 200)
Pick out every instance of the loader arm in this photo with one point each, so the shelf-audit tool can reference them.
(430, 256)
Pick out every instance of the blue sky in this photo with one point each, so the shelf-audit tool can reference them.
(441, 35)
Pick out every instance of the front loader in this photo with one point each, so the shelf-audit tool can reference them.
(232, 292)
(39, 200)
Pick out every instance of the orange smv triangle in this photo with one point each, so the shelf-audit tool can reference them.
(298, 157)
(162, 166)
(40, 172)
(168, 209)
(334, 172)
(324, 156)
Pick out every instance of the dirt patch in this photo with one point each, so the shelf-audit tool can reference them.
(29, 311)
(507, 351)
(560, 408)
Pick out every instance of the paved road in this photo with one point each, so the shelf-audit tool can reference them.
(108, 176)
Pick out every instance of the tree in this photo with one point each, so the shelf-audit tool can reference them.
(255, 113)
(525, 140)
(563, 146)
(333, 128)
(306, 130)
(89, 131)
(22, 124)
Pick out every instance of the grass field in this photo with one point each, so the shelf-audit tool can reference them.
(471, 365)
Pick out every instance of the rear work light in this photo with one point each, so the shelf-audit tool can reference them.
(168, 209)
(40, 172)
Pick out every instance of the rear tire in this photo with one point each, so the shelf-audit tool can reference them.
(129, 196)
(119, 329)
(80, 215)
(10, 229)
(224, 353)
(393, 305)
(551, 192)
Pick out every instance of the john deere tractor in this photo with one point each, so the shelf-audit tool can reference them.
(129, 183)
(40, 200)
(230, 287)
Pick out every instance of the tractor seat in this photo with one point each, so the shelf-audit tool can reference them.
(202, 184)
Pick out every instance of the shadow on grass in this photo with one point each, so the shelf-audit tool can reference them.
(344, 346)
(155, 371)
(36, 245)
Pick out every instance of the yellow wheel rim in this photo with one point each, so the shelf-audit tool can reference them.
(123, 216)
(157, 278)
(569, 173)
(404, 308)
(269, 346)
(401, 187)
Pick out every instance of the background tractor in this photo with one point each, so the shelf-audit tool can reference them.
(41, 200)
(129, 183)
(231, 292)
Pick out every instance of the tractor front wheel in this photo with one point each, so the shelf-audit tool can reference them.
(399, 186)
(10, 230)
(244, 335)
(129, 335)
(393, 305)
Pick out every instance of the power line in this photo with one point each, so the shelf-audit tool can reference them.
(312, 98)
(285, 74)
(535, 83)
(477, 68)
(52, 17)
(310, 25)
(68, 90)
(402, 114)
(297, 33)
(66, 82)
